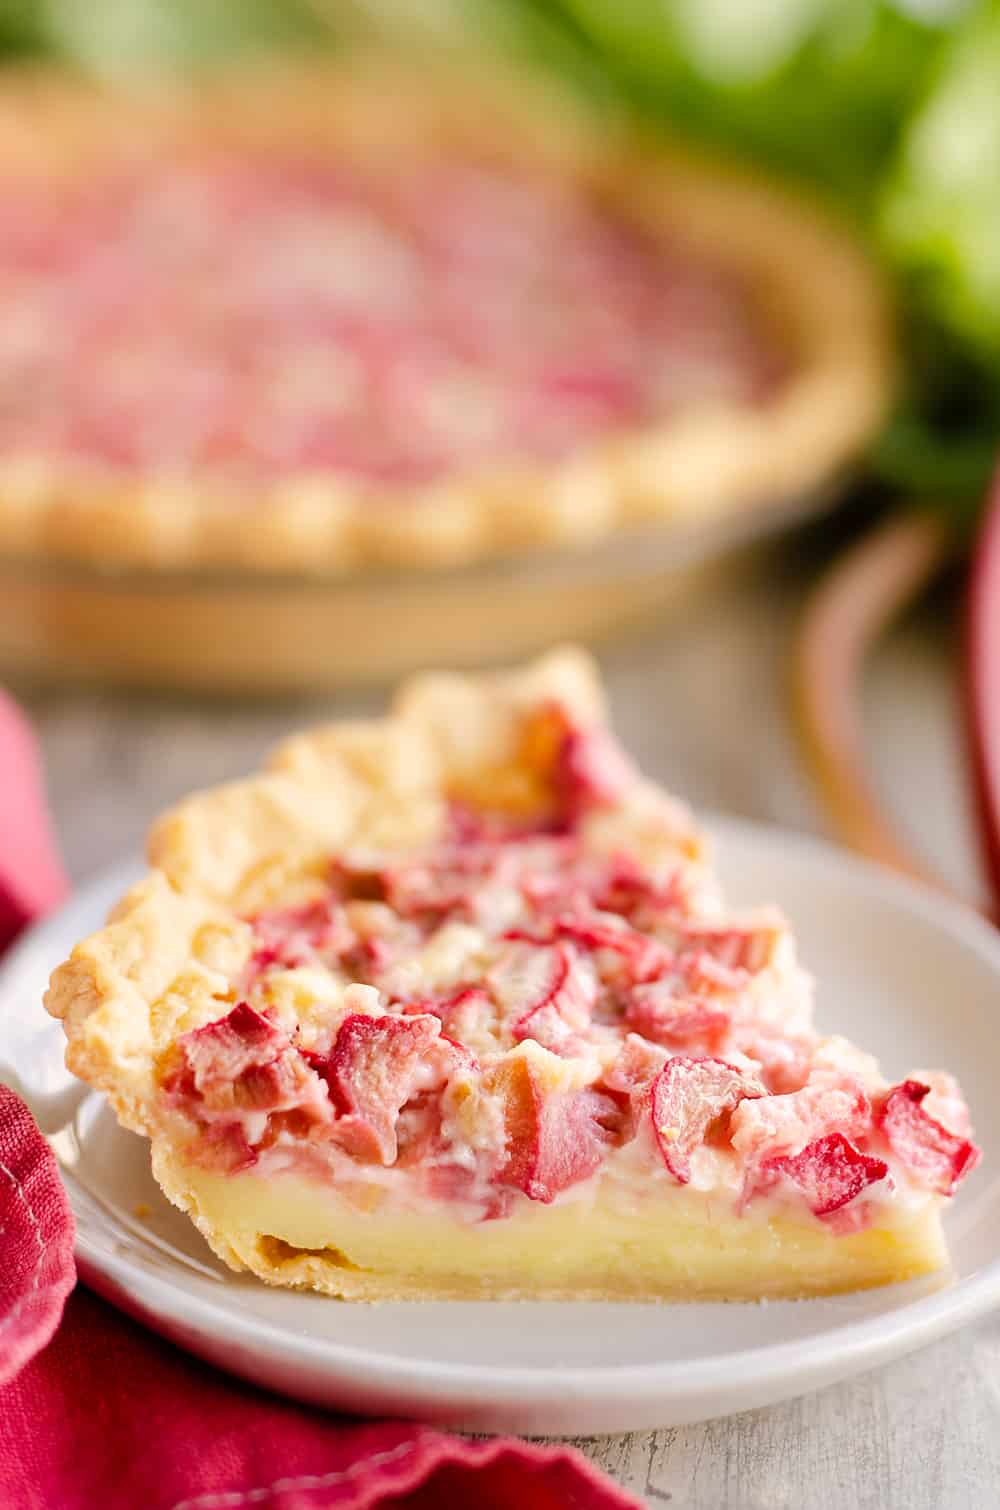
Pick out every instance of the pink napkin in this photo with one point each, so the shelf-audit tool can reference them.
(95, 1411)
(31, 875)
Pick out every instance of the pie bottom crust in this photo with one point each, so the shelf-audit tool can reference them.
(290, 1232)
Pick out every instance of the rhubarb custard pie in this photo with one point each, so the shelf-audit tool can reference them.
(449, 1004)
(317, 322)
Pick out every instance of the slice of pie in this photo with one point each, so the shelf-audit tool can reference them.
(333, 319)
(449, 1004)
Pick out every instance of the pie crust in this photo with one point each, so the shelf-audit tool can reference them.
(808, 277)
(180, 953)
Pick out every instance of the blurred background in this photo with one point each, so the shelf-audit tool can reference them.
(890, 109)
(887, 111)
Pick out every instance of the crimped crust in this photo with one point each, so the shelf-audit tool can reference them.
(810, 277)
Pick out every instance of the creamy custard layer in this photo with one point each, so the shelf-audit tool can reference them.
(684, 1245)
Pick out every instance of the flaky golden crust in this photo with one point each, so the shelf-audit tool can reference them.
(809, 276)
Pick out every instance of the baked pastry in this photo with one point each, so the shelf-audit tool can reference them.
(318, 321)
(448, 1004)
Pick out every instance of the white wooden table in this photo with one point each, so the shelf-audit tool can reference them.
(701, 703)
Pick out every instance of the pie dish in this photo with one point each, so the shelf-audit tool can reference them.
(449, 1004)
(343, 319)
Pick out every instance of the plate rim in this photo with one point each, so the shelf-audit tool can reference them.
(795, 1364)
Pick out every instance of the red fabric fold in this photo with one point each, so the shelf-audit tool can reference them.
(36, 1238)
(109, 1415)
(97, 1412)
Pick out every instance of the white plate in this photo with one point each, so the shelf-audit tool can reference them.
(911, 977)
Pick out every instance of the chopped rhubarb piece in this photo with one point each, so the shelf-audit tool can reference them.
(785, 1059)
(277, 1086)
(546, 991)
(785, 1124)
(293, 936)
(643, 957)
(636, 1067)
(688, 1096)
(829, 1172)
(373, 1069)
(367, 958)
(704, 973)
(456, 1057)
(467, 1018)
(945, 1101)
(630, 1078)
(626, 887)
(423, 888)
(934, 1156)
(468, 999)
(553, 1138)
(217, 1056)
(549, 889)
(664, 1013)
(421, 1133)
(244, 1062)
(592, 771)
(223, 1148)
(449, 881)
(751, 949)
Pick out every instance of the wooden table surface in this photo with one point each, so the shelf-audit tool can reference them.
(701, 703)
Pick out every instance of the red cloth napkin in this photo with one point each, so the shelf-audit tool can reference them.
(36, 1238)
(104, 1414)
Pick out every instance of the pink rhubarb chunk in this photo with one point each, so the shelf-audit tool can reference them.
(625, 887)
(688, 1096)
(553, 1139)
(751, 949)
(295, 935)
(935, 1157)
(592, 771)
(245, 1062)
(222, 1054)
(664, 1014)
(785, 1124)
(373, 1069)
(547, 993)
(630, 1078)
(642, 958)
(829, 1172)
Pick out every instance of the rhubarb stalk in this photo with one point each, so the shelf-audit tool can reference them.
(982, 688)
(852, 606)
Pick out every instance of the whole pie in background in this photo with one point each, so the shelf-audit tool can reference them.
(319, 322)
